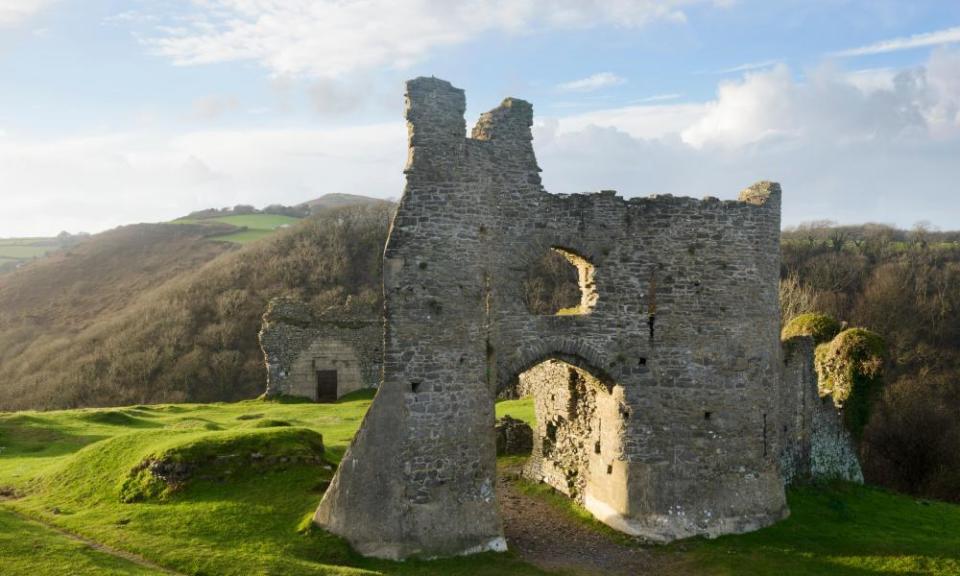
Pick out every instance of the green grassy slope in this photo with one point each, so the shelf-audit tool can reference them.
(845, 529)
(250, 227)
(71, 469)
(19, 250)
(30, 548)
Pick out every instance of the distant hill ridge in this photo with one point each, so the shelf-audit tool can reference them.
(336, 200)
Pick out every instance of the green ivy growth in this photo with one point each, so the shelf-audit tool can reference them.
(820, 327)
(850, 369)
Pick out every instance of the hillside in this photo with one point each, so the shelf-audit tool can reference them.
(77, 484)
(336, 200)
(16, 252)
(160, 312)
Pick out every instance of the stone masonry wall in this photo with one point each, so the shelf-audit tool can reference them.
(682, 329)
(815, 443)
(296, 345)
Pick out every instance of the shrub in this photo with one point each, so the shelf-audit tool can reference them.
(911, 441)
(820, 327)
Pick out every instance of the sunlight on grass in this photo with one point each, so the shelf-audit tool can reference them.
(68, 469)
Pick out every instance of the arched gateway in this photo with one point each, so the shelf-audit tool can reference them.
(664, 376)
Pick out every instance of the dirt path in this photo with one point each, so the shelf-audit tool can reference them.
(549, 539)
(123, 555)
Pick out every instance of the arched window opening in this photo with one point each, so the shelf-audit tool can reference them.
(560, 283)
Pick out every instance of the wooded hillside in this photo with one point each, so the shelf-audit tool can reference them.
(158, 313)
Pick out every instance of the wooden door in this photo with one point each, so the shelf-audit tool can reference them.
(326, 385)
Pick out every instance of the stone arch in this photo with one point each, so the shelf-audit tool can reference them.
(578, 433)
(572, 351)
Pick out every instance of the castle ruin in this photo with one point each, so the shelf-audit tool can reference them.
(663, 400)
(321, 359)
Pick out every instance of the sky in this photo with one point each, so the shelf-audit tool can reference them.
(114, 112)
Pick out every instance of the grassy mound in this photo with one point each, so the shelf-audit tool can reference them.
(850, 369)
(190, 423)
(129, 418)
(268, 423)
(218, 456)
(820, 327)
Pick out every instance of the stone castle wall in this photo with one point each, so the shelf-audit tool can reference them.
(682, 332)
(296, 345)
(815, 443)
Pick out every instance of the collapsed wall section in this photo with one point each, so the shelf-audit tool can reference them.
(815, 443)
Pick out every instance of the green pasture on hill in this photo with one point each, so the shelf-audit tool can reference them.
(19, 249)
(74, 469)
(251, 226)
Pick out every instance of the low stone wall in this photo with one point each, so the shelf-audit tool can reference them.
(296, 346)
(814, 443)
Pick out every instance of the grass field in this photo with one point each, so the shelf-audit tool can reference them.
(22, 249)
(252, 226)
(82, 471)
(28, 547)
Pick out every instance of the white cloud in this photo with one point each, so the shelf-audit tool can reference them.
(937, 38)
(871, 80)
(659, 98)
(15, 12)
(213, 107)
(100, 182)
(748, 67)
(641, 121)
(747, 111)
(886, 151)
(832, 106)
(592, 83)
(330, 38)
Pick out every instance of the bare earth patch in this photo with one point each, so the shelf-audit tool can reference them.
(548, 538)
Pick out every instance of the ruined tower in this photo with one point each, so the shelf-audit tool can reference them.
(666, 373)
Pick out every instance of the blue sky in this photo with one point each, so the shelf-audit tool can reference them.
(114, 111)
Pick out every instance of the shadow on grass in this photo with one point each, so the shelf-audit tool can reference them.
(125, 418)
(23, 438)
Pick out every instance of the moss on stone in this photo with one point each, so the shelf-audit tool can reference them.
(850, 369)
(821, 327)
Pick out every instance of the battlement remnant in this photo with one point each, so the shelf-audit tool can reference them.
(658, 398)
